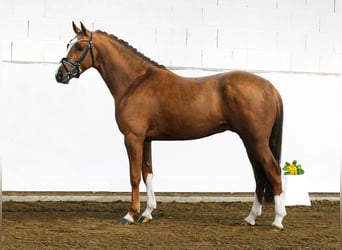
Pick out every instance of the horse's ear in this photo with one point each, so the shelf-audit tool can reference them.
(76, 29)
(84, 29)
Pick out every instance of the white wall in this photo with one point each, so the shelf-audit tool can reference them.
(56, 137)
(276, 35)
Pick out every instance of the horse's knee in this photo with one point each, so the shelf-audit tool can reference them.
(135, 179)
(135, 183)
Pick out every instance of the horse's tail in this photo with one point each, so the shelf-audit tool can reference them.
(275, 143)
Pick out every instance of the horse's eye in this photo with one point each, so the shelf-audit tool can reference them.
(79, 47)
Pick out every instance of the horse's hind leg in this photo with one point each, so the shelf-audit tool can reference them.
(265, 169)
(257, 201)
(147, 174)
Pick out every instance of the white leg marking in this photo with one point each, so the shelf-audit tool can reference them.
(151, 200)
(280, 212)
(255, 211)
(129, 217)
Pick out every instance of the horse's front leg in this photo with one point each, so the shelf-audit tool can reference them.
(147, 174)
(134, 146)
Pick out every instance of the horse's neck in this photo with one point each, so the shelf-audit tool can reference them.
(119, 70)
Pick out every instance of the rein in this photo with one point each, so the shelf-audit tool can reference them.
(75, 70)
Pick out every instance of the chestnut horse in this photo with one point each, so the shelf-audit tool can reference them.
(153, 103)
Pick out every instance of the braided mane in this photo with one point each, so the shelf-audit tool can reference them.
(131, 48)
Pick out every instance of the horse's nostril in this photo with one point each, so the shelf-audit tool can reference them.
(58, 76)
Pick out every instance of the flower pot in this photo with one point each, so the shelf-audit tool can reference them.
(296, 191)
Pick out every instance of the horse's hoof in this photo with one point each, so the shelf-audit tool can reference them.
(277, 228)
(124, 221)
(246, 224)
(249, 221)
(143, 219)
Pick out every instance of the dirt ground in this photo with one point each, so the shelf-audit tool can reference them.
(93, 225)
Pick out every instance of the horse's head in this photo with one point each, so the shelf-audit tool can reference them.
(79, 57)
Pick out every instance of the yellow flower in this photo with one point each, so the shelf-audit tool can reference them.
(293, 168)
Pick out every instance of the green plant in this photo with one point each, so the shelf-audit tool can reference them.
(293, 168)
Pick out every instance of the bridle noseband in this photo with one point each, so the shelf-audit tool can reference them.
(75, 70)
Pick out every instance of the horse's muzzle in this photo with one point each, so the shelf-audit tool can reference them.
(60, 78)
